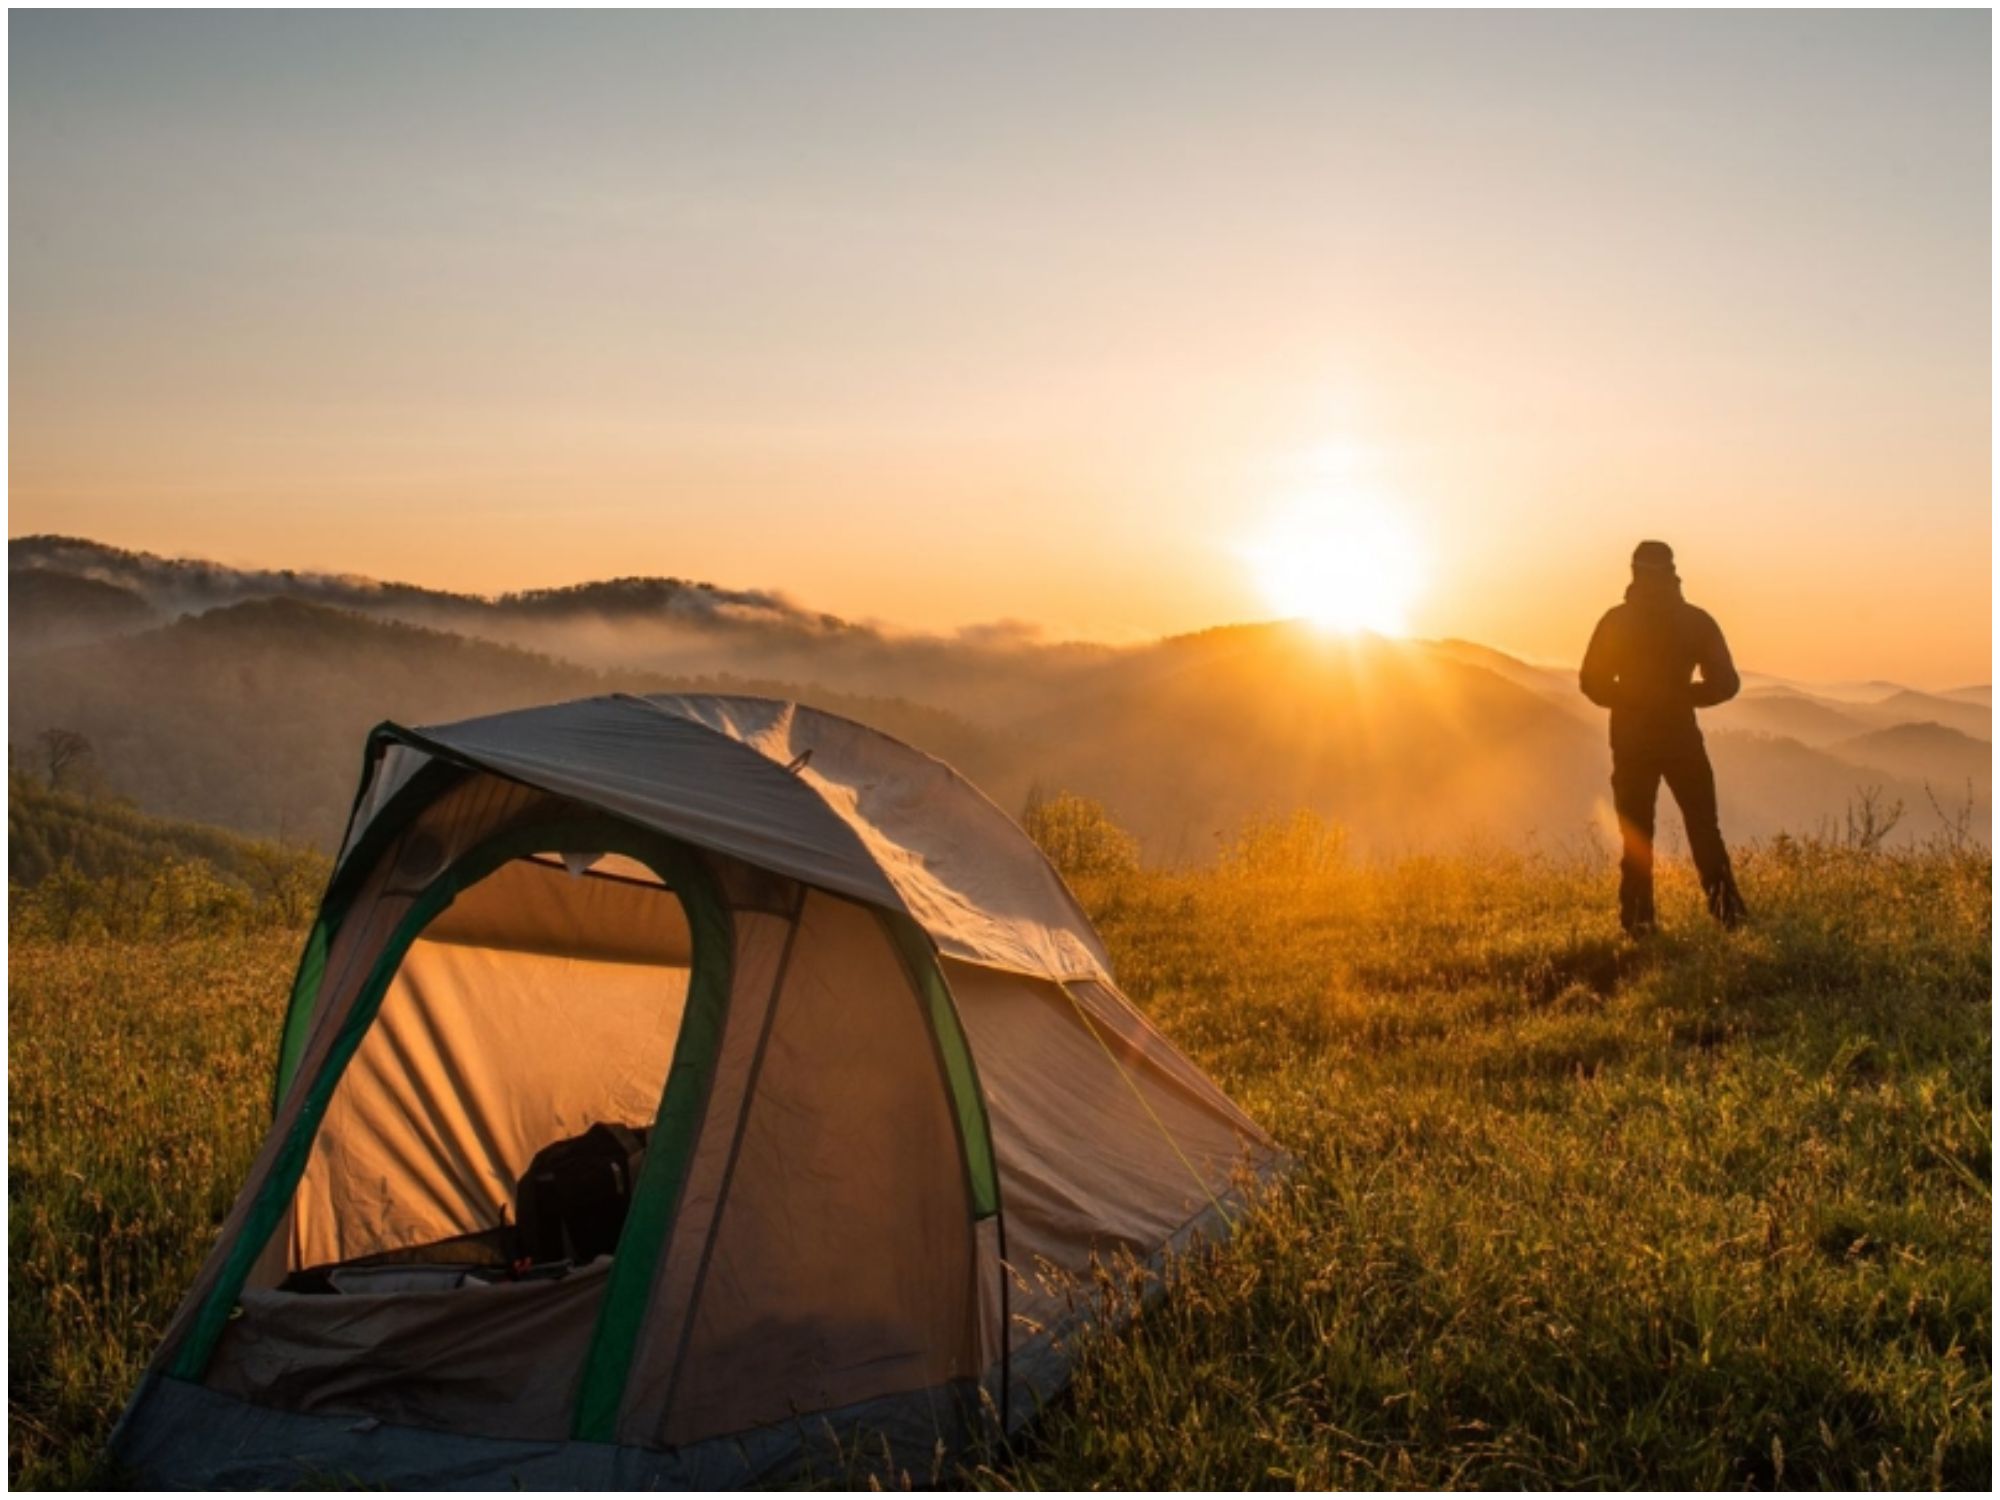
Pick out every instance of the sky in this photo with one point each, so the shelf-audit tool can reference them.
(1063, 319)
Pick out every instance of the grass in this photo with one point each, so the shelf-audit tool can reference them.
(139, 1078)
(1714, 1210)
(1569, 1211)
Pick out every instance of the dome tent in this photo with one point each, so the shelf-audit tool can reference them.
(889, 1095)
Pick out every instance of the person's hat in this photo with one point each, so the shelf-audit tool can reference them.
(1652, 557)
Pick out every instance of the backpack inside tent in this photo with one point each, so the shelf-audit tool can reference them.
(678, 1091)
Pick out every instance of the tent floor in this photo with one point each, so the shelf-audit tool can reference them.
(185, 1436)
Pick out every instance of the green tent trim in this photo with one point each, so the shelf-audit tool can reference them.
(429, 782)
(657, 1192)
(975, 1133)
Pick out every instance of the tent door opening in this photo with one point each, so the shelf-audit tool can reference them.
(469, 1181)
(513, 1070)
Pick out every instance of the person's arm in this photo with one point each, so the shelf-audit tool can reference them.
(1599, 676)
(1719, 682)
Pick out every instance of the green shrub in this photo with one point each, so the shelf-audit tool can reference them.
(1079, 837)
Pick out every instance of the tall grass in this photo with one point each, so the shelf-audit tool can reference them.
(139, 1085)
(1567, 1210)
(1714, 1210)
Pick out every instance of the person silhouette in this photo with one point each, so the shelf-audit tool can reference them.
(1641, 664)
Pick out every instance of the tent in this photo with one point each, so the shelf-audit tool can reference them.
(889, 1107)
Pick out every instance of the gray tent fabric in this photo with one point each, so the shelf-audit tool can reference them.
(666, 772)
(897, 1106)
(958, 863)
(862, 814)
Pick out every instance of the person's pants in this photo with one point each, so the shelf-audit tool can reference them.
(1636, 773)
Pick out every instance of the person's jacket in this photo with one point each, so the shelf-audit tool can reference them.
(1644, 657)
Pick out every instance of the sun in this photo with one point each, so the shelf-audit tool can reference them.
(1347, 564)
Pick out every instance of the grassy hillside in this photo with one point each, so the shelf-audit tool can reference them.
(101, 839)
(139, 1080)
(1715, 1210)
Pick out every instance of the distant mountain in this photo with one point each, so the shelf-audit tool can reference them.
(250, 712)
(1933, 753)
(184, 585)
(1981, 694)
(173, 586)
(669, 626)
(252, 716)
(47, 608)
(1767, 785)
(678, 626)
(1788, 713)
(1837, 692)
(1773, 785)
(1906, 706)
(1404, 744)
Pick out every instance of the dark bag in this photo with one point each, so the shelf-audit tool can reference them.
(571, 1202)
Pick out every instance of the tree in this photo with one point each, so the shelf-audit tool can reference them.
(67, 757)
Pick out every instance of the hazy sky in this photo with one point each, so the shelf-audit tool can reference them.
(946, 319)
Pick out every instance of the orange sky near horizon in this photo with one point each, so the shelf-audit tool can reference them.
(944, 320)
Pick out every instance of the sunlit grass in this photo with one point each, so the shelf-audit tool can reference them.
(139, 1077)
(1566, 1211)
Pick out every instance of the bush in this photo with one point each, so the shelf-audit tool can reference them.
(1078, 835)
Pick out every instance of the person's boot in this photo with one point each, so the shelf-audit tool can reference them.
(1725, 902)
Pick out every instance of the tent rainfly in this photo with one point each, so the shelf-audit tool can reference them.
(677, 1091)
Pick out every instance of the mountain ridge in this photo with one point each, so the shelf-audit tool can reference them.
(248, 714)
(189, 584)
